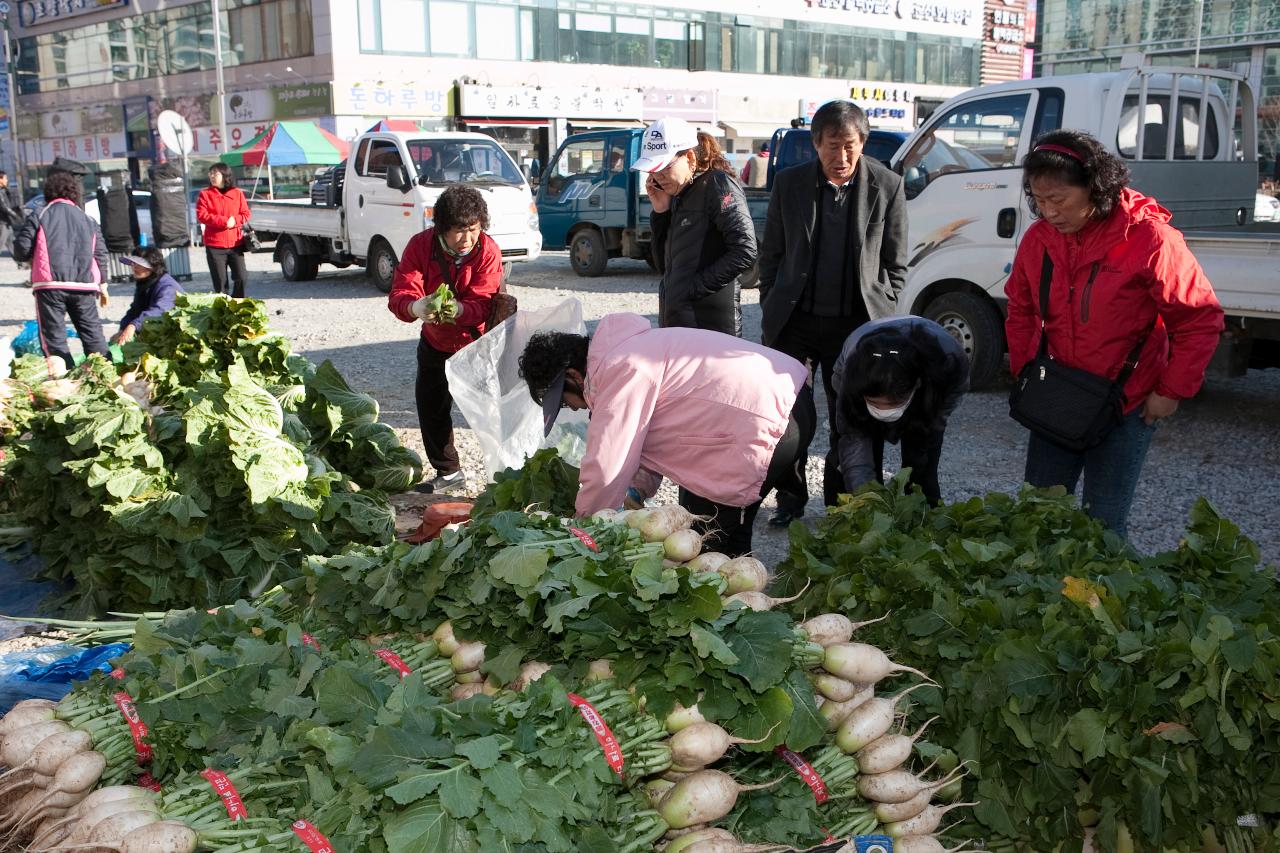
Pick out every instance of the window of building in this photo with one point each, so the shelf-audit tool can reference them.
(975, 136)
(404, 26)
(450, 29)
(500, 36)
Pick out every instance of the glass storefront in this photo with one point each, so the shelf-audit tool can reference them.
(171, 41)
(641, 36)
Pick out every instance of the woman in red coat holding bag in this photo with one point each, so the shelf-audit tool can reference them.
(1127, 302)
(456, 252)
(223, 211)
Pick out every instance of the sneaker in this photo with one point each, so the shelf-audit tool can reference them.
(784, 517)
(449, 482)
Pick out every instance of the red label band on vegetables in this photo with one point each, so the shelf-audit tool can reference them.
(227, 791)
(394, 661)
(311, 837)
(609, 743)
(586, 539)
(308, 640)
(137, 728)
(806, 773)
(146, 780)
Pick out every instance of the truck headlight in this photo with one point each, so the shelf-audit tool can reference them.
(533, 217)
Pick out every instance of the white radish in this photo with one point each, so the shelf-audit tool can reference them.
(473, 677)
(869, 721)
(663, 521)
(835, 688)
(25, 713)
(720, 845)
(90, 818)
(445, 641)
(529, 673)
(832, 628)
(683, 545)
(758, 601)
(20, 743)
(94, 800)
(925, 844)
(898, 786)
(111, 831)
(703, 797)
(925, 823)
(656, 789)
(70, 785)
(465, 691)
(166, 836)
(635, 517)
(708, 561)
(744, 574)
(682, 717)
(600, 670)
(468, 657)
(699, 744)
(606, 514)
(835, 713)
(710, 833)
(889, 751)
(863, 664)
(50, 751)
(888, 813)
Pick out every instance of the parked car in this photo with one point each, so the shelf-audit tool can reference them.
(1266, 208)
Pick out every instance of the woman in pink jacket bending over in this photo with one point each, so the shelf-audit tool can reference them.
(721, 417)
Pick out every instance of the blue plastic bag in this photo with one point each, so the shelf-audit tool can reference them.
(28, 340)
(48, 672)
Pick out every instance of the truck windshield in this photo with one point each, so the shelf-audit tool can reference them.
(455, 161)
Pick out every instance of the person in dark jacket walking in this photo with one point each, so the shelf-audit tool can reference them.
(154, 292)
(1118, 274)
(703, 238)
(834, 254)
(458, 253)
(10, 214)
(897, 379)
(223, 211)
(68, 257)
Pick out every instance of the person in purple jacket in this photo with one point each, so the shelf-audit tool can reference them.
(154, 293)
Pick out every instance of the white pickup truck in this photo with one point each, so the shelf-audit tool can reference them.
(385, 196)
(966, 208)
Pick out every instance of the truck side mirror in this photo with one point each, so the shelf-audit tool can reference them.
(914, 180)
(398, 178)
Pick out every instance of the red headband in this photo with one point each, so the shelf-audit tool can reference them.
(1060, 149)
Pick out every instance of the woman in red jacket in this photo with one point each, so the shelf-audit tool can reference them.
(455, 252)
(1119, 274)
(223, 211)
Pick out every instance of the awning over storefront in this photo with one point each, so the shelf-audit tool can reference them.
(750, 129)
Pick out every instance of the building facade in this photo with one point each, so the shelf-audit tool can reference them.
(1241, 35)
(91, 76)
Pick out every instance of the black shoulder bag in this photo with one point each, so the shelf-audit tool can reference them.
(1073, 408)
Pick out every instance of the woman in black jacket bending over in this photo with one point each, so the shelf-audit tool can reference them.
(703, 238)
(897, 379)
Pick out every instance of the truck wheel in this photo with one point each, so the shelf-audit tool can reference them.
(586, 253)
(308, 268)
(750, 279)
(292, 264)
(382, 266)
(976, 325)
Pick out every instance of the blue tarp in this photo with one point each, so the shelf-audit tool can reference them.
(48, 672)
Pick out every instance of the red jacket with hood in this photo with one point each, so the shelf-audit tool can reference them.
(476, 278)
(213, 208)
(1113, 282)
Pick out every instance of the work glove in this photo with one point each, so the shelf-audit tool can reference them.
(420, 309)
(104, 298)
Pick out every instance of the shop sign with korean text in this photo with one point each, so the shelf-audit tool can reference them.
(550, 102)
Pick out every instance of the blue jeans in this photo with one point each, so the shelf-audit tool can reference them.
(1110, 470)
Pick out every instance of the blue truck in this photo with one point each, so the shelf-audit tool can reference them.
(590, 202)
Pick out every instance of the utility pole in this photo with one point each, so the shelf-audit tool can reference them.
(9, 79)
(217, 64)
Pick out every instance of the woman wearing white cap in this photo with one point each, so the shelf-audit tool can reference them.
(703, 238)
(154, 293)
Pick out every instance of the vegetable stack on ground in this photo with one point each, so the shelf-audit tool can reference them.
(1088, 691)
(203, 474)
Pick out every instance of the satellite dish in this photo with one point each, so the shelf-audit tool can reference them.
(174, 132)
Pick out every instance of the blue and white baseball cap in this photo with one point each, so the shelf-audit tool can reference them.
(662, 141)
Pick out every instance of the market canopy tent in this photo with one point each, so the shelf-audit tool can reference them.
(288, 143)
(394, 125)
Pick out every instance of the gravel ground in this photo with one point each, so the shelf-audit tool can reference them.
(1223, 444)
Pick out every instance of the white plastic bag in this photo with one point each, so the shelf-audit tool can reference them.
(484, 379)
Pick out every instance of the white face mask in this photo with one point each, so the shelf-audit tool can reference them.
(888, 416)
